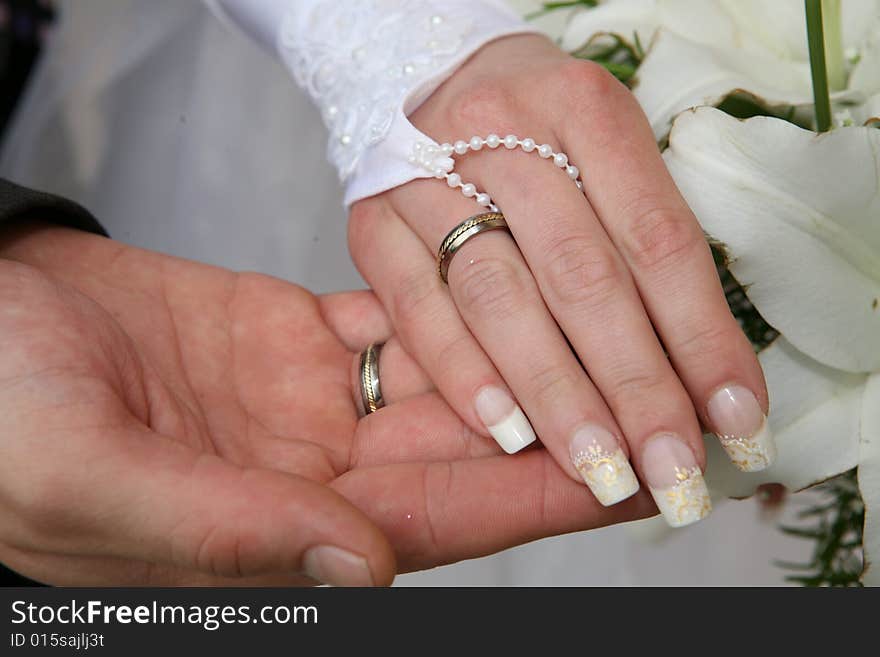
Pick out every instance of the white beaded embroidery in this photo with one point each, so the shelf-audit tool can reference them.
(391, 47)
(440, 162)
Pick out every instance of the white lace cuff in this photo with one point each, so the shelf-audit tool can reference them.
(367, 64)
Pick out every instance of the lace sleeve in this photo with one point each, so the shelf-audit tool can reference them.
(369, 63)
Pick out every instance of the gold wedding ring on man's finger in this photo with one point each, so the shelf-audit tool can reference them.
(371, 391)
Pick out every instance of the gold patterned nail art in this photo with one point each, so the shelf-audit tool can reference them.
(687, 501)
(753, 453)
(607, 473)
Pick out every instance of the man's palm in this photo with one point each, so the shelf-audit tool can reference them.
(174, 422)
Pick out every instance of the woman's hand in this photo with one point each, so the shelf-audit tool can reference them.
(167, 422)
(604, 319)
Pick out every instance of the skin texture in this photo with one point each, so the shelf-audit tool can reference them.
(168, 422)
(605, 309)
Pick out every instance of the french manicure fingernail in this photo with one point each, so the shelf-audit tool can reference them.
(332, 565)
(675, 480)
(504, 419)
(742, 428)
(597, 456)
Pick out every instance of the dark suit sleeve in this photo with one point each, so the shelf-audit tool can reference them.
(18, 203)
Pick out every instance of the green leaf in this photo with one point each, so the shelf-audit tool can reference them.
(547, 7)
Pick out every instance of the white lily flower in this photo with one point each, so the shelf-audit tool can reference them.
(868, 113)
(799, 215)
(702, 51)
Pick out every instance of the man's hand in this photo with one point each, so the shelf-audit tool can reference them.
(167, 422)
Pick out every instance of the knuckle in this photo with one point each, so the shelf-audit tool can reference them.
(550, 383)
(587, 78)
(580, 272)
(218, 553)
(599, 95)
(710, 341)
(634, 382)
(457, 349)
(491, 287)
(660, 237)
(413, 296)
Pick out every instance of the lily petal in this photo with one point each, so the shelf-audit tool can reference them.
(868, 113)
(814, 415)
(701, 51)
(706, 22)
(865, 76)
(798, 214)
(869, 479)
(678, 74)
(622, 18)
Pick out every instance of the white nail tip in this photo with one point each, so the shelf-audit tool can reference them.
(513, 432)
(687, 501)
(608, 475)
(752, 454)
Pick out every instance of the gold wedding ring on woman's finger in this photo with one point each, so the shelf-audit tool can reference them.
(371, 391)
(470, 227)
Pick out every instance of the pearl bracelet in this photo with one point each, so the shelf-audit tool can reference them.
(439, 161)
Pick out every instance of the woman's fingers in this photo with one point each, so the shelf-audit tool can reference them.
(590, 292)
(419, 429)
(415, 423)
(154, 499)
(664, 248)
(498, 299)
(357, 318)
(403, 272)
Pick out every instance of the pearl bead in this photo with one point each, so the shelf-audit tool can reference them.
(345, 140)
(438, 160)
(445, 163)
